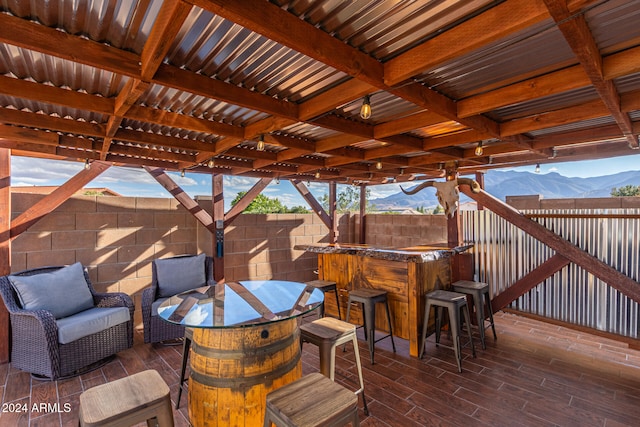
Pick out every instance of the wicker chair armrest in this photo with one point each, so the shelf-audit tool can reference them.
(37, 325)
(112, 299)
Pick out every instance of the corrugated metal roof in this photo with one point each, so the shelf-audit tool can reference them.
(540, 47)
(124, 24)
(383, 28)
(217, 48)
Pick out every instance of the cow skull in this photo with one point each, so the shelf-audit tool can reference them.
(447, 192)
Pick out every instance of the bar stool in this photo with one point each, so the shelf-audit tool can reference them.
(454, 302)
(368, 298)
(186, 345)
(311, 401)
(326, 286)
(480, 294)
(127, 401)
(328, 333)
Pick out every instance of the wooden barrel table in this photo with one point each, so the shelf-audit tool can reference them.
(245, 344)
(235, 368)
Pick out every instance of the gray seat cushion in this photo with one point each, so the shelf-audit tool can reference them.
(175, 275)
(63, 292)
(89, 322)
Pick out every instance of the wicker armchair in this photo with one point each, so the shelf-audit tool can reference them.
(163, 286)
(37, 342)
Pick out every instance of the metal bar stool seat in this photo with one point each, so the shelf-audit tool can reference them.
(326, 286)
(311, 401)
(454, 302)
(368, 298)
(328, 333)
(480, 293)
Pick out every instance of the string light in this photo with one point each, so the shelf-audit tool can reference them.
(211, 163)
(365, 109)
(317, 175)
(87, 165)
(260, 146)
(277, 180)
(479, 149)
(378, 165)
(537, 169)
(182, 173)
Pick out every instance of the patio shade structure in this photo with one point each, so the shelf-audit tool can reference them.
(275, 89)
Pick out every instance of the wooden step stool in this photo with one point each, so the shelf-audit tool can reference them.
(312, 401)
(127, 401)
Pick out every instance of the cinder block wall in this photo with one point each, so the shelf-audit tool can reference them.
(116, 238)
(400, 231)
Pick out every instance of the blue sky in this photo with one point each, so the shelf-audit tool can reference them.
(136, 182)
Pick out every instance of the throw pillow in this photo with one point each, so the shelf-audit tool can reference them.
(180, 274)
(63, 292)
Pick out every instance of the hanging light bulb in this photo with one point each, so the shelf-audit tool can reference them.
(365, 109)
(87, 165)
(479, 149)
(378, 165)
(211, 163)
(317, 175)
(260, 145)
(537, 169)
(182, 173)
(277, 180)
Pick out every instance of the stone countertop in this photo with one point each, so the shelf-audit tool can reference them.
(420, 253)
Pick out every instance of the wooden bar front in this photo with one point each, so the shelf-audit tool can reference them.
(406, 275)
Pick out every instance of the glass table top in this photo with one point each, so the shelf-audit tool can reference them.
(238, 304)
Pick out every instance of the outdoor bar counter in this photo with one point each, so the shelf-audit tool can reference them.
(405, 273)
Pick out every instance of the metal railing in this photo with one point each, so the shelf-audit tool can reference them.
(504, 254)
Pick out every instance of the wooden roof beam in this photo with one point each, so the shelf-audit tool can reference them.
(579, 37)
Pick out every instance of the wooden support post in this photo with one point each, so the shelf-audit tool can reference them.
(363, 214)
(480, 181)
(218, 218)
(5, 245)
(333, 218)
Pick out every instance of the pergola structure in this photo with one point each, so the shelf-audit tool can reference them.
(275, 89)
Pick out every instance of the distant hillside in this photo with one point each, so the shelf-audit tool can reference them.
(510, 183)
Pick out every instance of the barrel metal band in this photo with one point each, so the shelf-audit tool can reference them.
(245, 383)
(256, 351)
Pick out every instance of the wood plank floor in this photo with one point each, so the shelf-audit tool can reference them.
(535, 374)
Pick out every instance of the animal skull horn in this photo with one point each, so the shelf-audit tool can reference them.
(447, 192)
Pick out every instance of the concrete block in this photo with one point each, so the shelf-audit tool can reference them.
(116, 272)
(135, 253)
(46, 258)
(123, 237)
(55, 220)
(169, 220)
(152, 204)
(78, 204)
(183, 235)
(116, 204)
(18, 262)
(30, 242)
(150, 236)
(97, 256)
(135, 219)
(599, 203)
(558, 204)
(96, 221)
(73, 240)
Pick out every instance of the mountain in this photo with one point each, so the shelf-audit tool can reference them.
(511, 183)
